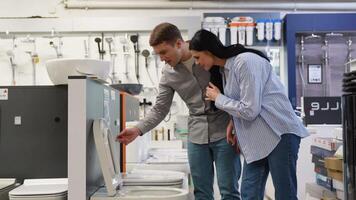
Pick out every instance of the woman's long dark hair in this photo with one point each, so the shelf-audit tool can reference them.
(204, 40)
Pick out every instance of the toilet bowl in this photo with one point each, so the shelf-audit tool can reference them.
(41, 189)
(119, 188)
(6, 185)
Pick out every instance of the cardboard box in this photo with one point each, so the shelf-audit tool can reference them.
(334, 163)
(335, 174)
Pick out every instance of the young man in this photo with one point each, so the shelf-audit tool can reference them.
(207, 141)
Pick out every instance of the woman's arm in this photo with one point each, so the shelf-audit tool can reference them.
(251, 91)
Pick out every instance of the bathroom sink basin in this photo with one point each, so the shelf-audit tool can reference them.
(59, 69)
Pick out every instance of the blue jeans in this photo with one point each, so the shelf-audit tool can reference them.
(228, 169)
(281, 162)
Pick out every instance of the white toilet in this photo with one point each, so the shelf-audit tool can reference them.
(6, 185)
(117, 188)
(41, 189)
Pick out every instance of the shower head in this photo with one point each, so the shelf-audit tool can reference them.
(312, 36)
(97, 40)
(145, 53)
(124, 40)
(134, 38)
(10, 53)
(28, 39)
(332, 34)
(51, 43)
(109, 40)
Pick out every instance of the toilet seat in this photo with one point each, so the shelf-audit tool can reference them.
(6, 185)
(151, 180)
(154, 178)
(6, 182)
(142, 193)
(110, 167)
(158, 178)
(42, 189)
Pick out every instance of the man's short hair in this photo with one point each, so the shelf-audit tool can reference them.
(165, 32)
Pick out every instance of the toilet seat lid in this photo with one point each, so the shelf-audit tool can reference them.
(41, 187)
(39, 190)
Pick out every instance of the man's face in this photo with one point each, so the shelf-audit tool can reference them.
(169, 53)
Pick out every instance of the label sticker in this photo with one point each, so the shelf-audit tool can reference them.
(4, 94)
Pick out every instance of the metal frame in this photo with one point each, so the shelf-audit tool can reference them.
(97, 24)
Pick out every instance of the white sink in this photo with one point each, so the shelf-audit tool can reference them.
(59, 69)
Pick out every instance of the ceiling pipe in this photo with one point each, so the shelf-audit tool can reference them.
(162, 4)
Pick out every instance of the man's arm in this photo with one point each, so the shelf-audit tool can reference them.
(159, 110)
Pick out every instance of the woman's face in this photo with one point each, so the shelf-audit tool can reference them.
(204, 59)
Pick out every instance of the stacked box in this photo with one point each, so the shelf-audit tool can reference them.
(328, 168)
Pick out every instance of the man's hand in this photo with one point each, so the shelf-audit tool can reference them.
(212, 92)
(128, 135)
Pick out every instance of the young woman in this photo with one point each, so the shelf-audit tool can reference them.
(268, 131)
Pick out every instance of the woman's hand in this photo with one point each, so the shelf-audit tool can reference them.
(231, 137)
(212, 92)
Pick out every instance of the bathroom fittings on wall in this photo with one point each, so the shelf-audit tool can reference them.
(34, 57)
(126, 53)
(349, 54)
(87, 47)
(326, 75)
(11, 55)
(144, 104)
(301, 64)
(146, 54)
(134, 40)
(332, 36)
(113, 55)
(100, 49)
(13, 65)
(57, 48)
(156, 66)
